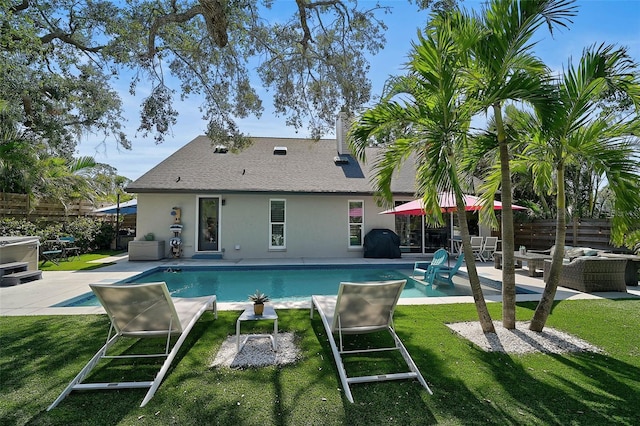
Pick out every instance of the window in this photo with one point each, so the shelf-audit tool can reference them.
(276, 224)
(356, 222)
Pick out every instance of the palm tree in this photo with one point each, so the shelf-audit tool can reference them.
(429, 106)
(63, 179)
(503, 68)
(570, 130)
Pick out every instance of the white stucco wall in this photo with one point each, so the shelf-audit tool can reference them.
(316, 225)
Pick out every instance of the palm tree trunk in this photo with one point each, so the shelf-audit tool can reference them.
(548, 296)
(481, 306)
(474, 280)
(508, 245)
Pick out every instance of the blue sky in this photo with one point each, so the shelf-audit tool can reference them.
(597, 21)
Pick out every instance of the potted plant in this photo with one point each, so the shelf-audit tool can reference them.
(258, 299)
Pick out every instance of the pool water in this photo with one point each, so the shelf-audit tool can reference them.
(282, 284)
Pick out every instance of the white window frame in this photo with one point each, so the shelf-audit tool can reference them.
(283, 245)
(350, 224)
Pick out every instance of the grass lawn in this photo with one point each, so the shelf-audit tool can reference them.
(81, 263)
(40, 355)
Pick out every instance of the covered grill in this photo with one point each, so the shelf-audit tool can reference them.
(382, 243)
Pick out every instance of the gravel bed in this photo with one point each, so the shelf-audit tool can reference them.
(257, 352)
(522, 340)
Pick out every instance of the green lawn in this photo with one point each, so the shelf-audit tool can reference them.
(39, 355)
(81, 263)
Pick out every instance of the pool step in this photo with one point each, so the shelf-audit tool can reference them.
(19, 278)
(207, 256)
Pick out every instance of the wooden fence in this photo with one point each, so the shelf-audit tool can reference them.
(19, 206)
(541, 234)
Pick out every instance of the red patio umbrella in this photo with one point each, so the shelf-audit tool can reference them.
(447, 202)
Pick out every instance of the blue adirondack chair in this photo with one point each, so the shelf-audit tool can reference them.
(439, 258)
(444, 272)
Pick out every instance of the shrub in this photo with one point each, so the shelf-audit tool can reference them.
(10, 227)
(89, 233)
(106, 234)
(84, 230)
(48, 230)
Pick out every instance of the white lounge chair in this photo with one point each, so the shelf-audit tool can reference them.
(139, 311)
(363, 308)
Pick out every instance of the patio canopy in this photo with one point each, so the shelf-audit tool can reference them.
(447, 202)
(129, 207)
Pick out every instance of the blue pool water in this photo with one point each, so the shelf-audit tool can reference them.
(282, 284)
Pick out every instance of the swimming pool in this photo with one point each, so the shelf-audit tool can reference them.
(281, 283)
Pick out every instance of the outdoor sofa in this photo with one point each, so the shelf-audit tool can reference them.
(591, 274)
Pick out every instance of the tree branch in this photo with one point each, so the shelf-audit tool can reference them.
(66, 38)
(213, 12)
(302, 9)
(172, 18)
(20, 7)
(306, 38)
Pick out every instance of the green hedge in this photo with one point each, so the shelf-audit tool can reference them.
(90, 234)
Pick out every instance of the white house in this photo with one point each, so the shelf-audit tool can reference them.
(278, 198)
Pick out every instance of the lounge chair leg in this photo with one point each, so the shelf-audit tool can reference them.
(84, 372)
(336, 356)
(407, 358)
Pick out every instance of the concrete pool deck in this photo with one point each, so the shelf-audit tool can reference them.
(38, 297)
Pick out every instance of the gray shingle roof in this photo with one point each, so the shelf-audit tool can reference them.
(308, 167)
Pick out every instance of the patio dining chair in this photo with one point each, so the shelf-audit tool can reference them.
(51, 252)
(69, 247)
(477, 247)
(489, 248)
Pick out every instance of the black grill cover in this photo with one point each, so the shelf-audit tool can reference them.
(382, 243)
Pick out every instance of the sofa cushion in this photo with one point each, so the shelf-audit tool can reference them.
(586, 251)
(552, 250)
(572, 253)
